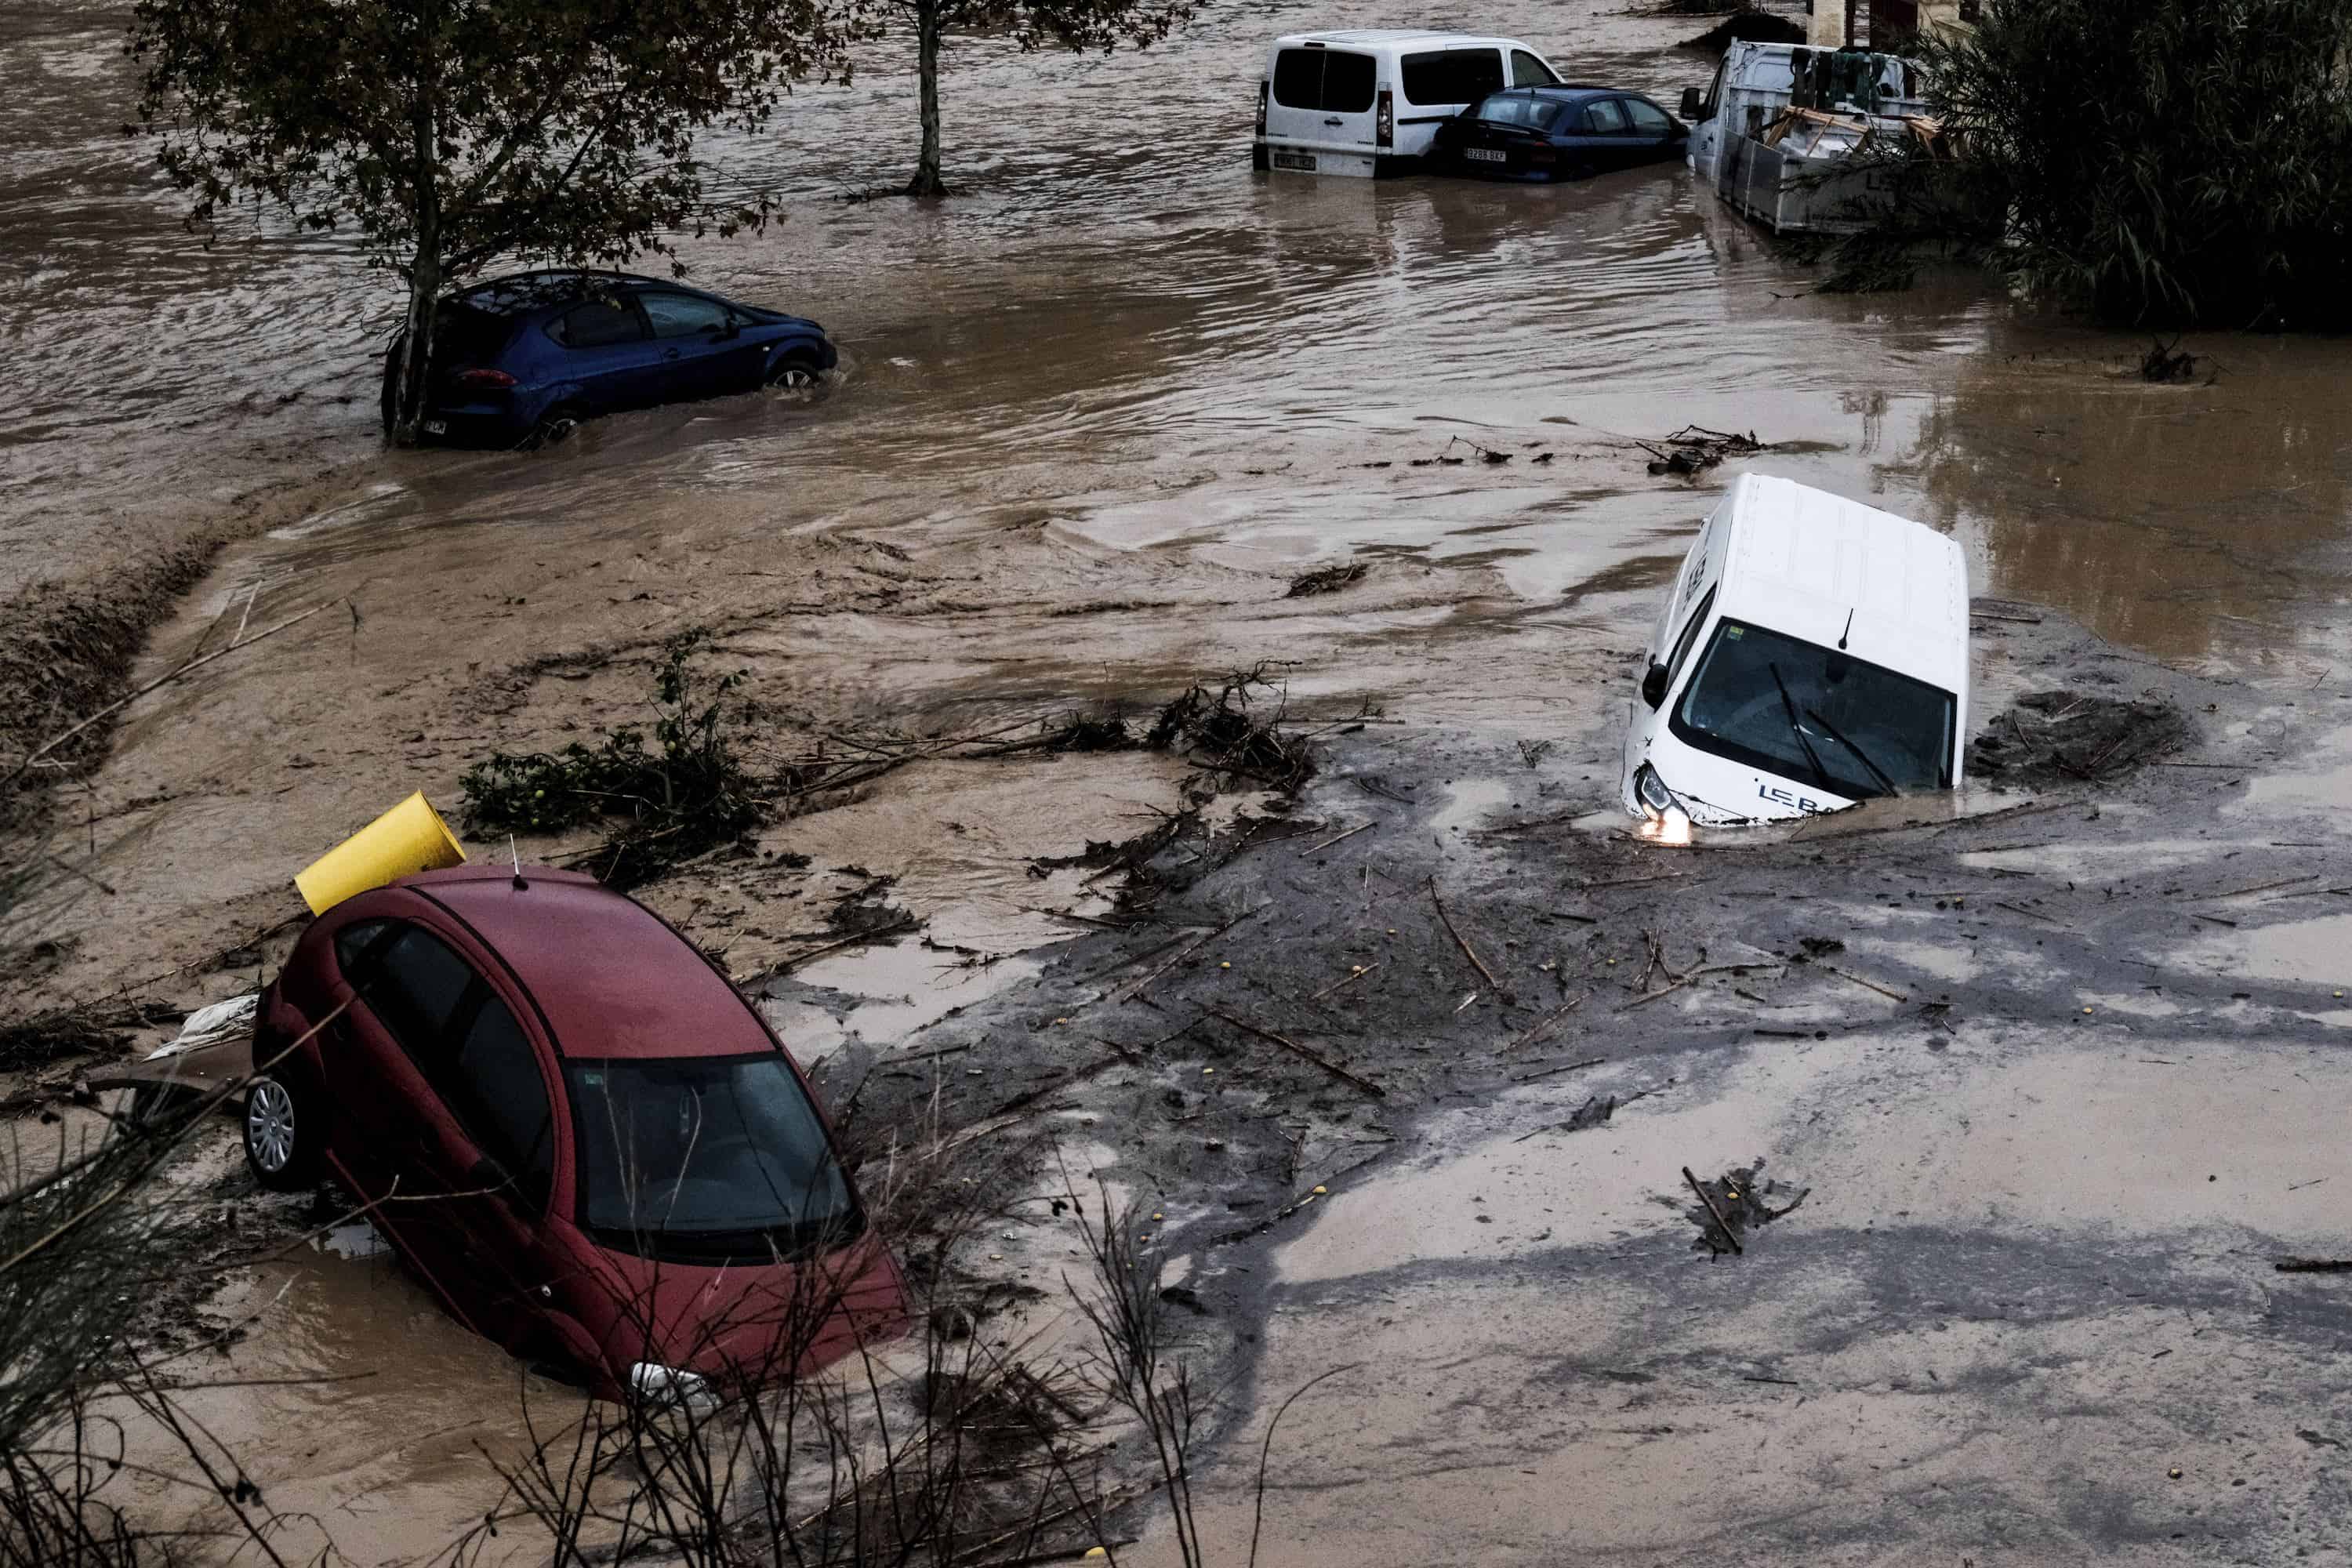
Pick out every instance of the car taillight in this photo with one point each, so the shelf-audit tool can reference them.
(1384, 119)
(1261, 107)
(1543, 155)
(497, 378)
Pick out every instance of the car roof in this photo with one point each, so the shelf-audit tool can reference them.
(1821, 567)
(1565, 92)
(1374, 37)
(611, 977)
(521, 292)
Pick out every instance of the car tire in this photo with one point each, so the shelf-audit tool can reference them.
(555, 427)
(284, 1126)
(795, 370)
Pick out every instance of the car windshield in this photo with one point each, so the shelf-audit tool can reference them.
(1815, 715)
(1509, 108)
(719, 1156)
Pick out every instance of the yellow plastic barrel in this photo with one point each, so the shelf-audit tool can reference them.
(411, 836)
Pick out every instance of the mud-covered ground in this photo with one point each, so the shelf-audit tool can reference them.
(2056, 1075)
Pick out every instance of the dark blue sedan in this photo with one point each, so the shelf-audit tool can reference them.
(521, 361)
(1556, 133)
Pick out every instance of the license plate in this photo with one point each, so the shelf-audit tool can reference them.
(436, 427)
(1486, 155)
(1302, 162)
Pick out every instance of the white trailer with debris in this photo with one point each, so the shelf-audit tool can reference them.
(1777, 133)
(1813, 653)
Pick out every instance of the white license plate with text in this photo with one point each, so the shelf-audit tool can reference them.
(1302, 162)
(1486, 155)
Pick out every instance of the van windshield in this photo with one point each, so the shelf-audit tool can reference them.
(700, 1157)
(1813, 714)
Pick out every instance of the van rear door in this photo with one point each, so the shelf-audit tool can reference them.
(1318, 113)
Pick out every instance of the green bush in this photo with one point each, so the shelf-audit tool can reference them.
(685, 794)
(2160, 161)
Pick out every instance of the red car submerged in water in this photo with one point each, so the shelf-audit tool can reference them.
(572, 1126)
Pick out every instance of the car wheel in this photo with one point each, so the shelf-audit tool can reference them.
(282, 1130)
(795, 371)
(555, 427)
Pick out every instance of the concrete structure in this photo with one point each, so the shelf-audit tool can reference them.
(1884, 23)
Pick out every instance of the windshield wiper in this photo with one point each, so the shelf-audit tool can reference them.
(1833, 732)
(1788, 705)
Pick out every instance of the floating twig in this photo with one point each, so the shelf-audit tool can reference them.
(1543, 1025)
(1325, 1063)
(1468, 951)
(1723, 1224)
(1348, 979)
(1336, 837)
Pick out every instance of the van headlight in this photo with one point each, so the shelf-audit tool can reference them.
(659, 1385)
(1652, 792)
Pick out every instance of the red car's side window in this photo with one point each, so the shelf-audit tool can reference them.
(497, 1091)
(468, 1047)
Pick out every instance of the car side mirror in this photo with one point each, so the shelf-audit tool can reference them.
(1693, 106)
(1653, 684)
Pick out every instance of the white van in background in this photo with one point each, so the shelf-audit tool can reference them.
(1813, 653)
(1368, 103)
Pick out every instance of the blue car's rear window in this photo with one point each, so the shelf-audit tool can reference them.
(463, 336)
(1510, 109)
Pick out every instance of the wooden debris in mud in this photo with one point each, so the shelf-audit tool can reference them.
(1468, 951)
(1694, 448)
(1326, 580)
(1325, 1063)
(1322, 1189)
(1735, 1203)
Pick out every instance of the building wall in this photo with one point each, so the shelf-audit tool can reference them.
(1885, 23)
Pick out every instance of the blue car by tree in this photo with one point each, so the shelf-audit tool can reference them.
(1556, 133)
(521, 361)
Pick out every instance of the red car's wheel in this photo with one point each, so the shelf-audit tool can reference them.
(282, 1133)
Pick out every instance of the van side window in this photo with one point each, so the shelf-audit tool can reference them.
(1528, 72)
(498, 1093)
(1690, 634)
(1332, 80)
(1451, 76)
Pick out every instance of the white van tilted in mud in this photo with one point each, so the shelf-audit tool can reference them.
(1368, 102)
(1813, 653)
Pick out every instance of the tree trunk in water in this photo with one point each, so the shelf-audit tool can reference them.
(927, 180)
(424, 270)
(416, 347)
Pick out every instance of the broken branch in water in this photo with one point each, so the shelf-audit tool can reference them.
(1468, 951)
(1325, 1063)
(120, 703)
(1720, 1222)
(1347, 979)
(1543, 1025)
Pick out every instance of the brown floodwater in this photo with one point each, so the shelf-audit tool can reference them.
(1120, 374)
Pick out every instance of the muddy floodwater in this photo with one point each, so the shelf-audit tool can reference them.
(1095, 414)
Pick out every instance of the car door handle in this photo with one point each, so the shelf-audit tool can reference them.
(1334, 120)
(669, 353)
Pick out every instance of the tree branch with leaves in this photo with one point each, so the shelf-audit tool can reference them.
(449, 135)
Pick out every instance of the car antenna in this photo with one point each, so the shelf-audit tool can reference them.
(1842, 637)
(520, 884)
